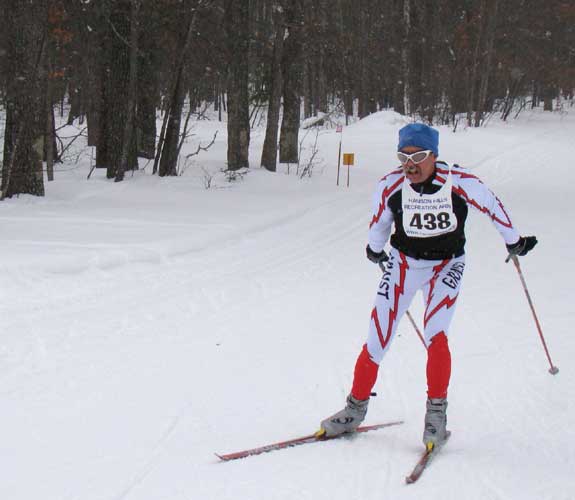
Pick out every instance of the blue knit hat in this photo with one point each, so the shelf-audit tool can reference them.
(419, 135)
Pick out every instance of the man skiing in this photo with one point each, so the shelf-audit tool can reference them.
(427, 201)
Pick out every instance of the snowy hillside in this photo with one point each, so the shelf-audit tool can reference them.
(150, 323)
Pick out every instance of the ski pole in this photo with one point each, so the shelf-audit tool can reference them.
(409, 316)
(553, 370)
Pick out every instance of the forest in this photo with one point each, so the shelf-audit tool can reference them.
(135, 73)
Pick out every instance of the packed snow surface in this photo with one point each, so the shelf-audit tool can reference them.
(147, 324)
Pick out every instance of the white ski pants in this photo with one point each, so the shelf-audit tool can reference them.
(439, 281)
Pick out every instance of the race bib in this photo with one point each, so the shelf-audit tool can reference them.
(428, 215)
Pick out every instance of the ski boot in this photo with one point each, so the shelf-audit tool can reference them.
(435, 432)
(346, 420)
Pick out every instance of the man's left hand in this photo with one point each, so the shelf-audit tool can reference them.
(523, 246)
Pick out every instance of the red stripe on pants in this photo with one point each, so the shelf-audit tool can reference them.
(438, 366)
(364, 376)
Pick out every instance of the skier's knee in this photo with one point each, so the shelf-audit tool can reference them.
(438, 342)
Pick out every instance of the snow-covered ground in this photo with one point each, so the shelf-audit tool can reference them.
(146, 325)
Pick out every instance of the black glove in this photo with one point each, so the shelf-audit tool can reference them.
(376, 257)
(524, 245)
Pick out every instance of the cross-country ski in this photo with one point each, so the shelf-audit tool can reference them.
(312, 438)
(426, 457)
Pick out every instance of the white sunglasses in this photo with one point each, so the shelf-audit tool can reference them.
(416, 157)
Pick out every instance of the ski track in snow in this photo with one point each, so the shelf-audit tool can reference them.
(132, 349)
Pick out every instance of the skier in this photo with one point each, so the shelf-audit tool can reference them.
(427, 200)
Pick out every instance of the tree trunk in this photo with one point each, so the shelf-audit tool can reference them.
(99, 116)
(173, 108)
(115, 108)
(321, 93)
(306, 89)
(146, 123)
(364, 57)
(472, 78)
(94, 87)
(236, 20)
(50, 133)
(405, 69)
(25, 123)
(129, 126)
(75, 101)
(269, 152)
(169, 157)
(148, 94)
(549, 93)
(488, 56)
(291, 72)
(52, 75)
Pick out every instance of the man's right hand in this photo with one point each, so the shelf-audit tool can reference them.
(376, 257)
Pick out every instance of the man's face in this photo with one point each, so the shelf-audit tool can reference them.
(418, 172)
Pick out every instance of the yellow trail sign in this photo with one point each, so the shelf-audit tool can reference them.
(348, 158)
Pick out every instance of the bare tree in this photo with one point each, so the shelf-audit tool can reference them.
(488, 59)
(129, 126)
(117, 84)
(24, 133)
(269, 152)
(168, 145)
(291, 82)
(236, 16)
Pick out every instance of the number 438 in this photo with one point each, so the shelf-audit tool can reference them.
(430, 221)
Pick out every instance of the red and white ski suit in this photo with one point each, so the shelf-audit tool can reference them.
(427, 254)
